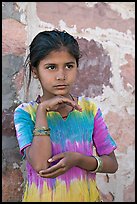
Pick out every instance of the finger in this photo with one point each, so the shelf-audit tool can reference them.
(53, 174)
(56, 157)
(72, 103)
(54, 167)
(76, 106)
(62, 99)
(50, 169)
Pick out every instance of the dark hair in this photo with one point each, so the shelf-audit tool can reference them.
(47, 41)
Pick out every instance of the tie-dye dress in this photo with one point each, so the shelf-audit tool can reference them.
(79, 132)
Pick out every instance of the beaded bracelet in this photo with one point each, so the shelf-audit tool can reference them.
(43, 131)
(99, 164)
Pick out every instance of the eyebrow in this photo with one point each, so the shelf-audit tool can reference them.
(56, 64)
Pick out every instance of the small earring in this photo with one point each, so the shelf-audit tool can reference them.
(35, 76)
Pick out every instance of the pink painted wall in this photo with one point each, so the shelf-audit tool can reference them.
(105, 31)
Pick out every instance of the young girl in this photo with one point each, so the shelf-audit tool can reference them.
(57, 132)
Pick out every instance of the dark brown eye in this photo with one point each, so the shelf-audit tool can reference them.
(69, 66)
(51, 67)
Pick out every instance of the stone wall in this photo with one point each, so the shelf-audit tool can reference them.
(105, 31)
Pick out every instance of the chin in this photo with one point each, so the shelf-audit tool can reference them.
(62, 93)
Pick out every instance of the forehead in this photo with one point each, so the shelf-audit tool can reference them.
(58, 56)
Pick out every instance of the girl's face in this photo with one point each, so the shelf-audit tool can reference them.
(56, 73)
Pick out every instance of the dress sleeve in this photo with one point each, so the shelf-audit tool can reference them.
(24, 129)
(103, 141)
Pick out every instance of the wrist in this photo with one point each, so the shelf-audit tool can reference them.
(42, 131)
(99, 164)
(42, 108)
(41, 117)
(89, 163)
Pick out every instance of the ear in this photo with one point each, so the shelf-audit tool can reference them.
(34, 72)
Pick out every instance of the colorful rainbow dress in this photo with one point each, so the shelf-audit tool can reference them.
(79, 132)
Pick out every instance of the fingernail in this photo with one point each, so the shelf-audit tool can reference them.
(50, 160)
(41, 172)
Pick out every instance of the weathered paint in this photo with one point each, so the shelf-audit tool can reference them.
(105, 31)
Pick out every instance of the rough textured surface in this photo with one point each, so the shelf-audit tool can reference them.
(98, 16)
(94, 69)
(14, 37)
(12, 185)
(128, 79)
(105, 31)
(10, 10)
(11, 65)
(118, 131)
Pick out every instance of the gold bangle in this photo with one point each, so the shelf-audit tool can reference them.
(99, 164)
(42, 128)
(41, 134)
(43, 131)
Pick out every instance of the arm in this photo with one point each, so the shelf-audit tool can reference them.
(40, 150)
(68, 160)
(110, 164)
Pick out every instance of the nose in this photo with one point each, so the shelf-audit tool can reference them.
(60, 75)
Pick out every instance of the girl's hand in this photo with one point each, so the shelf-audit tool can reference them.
(66, 161)
(54, 103)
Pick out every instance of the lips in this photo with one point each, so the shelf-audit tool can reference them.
(60, 86)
